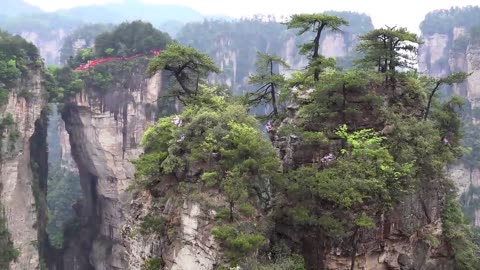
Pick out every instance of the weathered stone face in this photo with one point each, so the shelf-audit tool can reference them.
(433, 52)
(105, 133)
(17, 177)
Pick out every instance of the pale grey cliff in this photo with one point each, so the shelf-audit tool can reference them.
(21, 193)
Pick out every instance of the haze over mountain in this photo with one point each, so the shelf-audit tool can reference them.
(416, 10)
(143, 135)
(16, 7)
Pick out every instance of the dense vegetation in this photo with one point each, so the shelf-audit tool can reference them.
(16, 56)
(378, 135)
(129, 39)
(23, 17)
(126, 40)
(443, 21)
(7, 252)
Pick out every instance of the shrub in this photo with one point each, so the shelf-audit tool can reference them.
(152, 224)
(153, 264)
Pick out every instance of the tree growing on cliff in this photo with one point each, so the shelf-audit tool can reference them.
(388, 50)
(187, 65)
(316, 23)
(451, 79)
(268, 80)
(7, 252)
(340, 200)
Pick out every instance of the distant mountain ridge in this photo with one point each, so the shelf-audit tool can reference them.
(47, 30)
(110, 12)
(17, 7)
(133, 10)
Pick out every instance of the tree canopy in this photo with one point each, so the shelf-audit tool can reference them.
(316, 23)
(186, 64)
(129, 39)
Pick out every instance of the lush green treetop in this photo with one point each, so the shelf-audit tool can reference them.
(186, 64)
(129, 39)
(16, 54)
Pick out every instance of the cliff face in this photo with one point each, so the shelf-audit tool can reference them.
(105, 132)
(440, 55)
(401, 238)
(23, 173)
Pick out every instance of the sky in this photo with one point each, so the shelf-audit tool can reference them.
(408, 13)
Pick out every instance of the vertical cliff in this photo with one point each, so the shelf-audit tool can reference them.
(23, 172)
(451, 45)
(105, 129)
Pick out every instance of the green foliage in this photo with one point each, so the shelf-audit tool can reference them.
(210, 178)
(8, 253)
(265, 34)
(316, 23)
(237, 244)
(3, 96)
(153, 264)
(387, 49)
(186, 64)
(341, 98)
(64, 83)
(366, 176)
(152, 224)
(267, 80)
(232, 155)
(129, 39)
(459, 236)
(432, 240)
(17, 56)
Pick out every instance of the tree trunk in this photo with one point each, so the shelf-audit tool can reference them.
(430, 98)
(354, 249)
(231, 211)
(344, 103)
(273, 92)
(316, 50)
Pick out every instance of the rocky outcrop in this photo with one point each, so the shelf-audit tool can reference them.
(105, 132)
(186, 244)
(408, 237)
(441, 55)
(22, 186)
